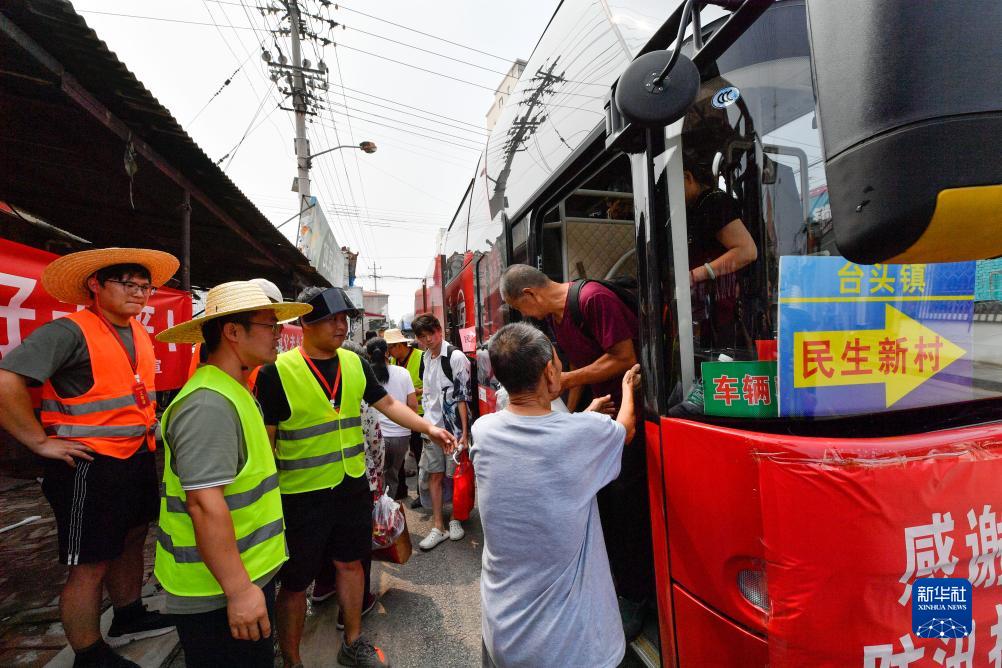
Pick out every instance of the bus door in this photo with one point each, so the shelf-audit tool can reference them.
(588, 232)
(724, 197)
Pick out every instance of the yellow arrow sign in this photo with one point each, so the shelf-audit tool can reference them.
(902, 355)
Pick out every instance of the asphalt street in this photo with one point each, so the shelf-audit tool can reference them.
(428, 613)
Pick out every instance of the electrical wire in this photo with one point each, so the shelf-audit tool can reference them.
(339, 45)
(418, 127)
(384, 99)
(403, 27)
(226, 83)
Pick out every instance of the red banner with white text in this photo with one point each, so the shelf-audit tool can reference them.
(847, 537)
(25, 306)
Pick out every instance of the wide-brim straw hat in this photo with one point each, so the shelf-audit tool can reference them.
(227, 299)
(393, 336)
(66, 277)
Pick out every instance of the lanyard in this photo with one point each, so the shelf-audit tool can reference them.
(320, 376)
(134, 360)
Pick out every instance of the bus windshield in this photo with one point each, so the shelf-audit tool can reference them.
(766, 279)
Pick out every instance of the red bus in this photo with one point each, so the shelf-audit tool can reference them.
(847, 452)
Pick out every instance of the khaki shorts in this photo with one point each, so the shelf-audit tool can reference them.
(434, 459)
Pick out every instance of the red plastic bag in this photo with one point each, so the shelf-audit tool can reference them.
(464, 487)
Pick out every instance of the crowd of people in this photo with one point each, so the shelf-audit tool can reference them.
(272, 463)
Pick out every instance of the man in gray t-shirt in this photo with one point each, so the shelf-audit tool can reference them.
(546, 588)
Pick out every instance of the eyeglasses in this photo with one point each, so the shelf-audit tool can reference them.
(276, 328)
(137, 288)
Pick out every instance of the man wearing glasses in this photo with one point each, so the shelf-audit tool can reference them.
(311, 400)
(97, 369)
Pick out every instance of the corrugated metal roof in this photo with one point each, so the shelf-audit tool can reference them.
(62, 33)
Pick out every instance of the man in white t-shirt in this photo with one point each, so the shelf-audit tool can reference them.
(546, 588)
(446, 399)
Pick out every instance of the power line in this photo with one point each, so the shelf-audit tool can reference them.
(418, 48)
(164, 20)
(417, 134)
(419, 127)
(351, 135)
(339, 45)
(415, 30)
(384, 99)
(479, 130)
(403, 27)
(226, 83)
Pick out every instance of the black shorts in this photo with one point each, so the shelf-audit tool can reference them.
(323, 526)
(97, 503)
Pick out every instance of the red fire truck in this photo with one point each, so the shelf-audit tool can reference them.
(844, 460)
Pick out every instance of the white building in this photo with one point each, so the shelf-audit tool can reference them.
(506, 88)
(376, 310)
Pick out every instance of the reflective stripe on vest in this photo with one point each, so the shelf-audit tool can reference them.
(317, 446)
(253, 500)
(175, 504)
(191, 555)
(319, 460)
(106, 417)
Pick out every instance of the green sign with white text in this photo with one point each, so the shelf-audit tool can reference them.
(740, 389)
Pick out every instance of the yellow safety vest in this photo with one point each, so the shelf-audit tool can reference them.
(318, 445)
(253, 499)
(414, 369)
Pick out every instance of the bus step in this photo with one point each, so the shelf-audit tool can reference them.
(646, 651)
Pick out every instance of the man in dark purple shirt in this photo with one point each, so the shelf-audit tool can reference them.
(600, 355)
(600, 352)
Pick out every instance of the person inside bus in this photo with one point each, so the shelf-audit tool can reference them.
(600, 351)
(719, 247)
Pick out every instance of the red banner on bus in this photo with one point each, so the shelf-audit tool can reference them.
(25, 306)
(846, 539)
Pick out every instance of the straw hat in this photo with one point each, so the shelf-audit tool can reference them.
(393, 336)
(66, 277)
(226, 299)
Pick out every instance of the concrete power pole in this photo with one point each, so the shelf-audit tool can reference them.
(299, 104)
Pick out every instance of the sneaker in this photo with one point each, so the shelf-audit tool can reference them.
(102, 658)
(632, 614)
(147, 624)
(361, 653)
(368, 604)
(323, 590)
(416, 503)
(456, 530)
(434, 537)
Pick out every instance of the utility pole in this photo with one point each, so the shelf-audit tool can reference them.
(299, 104)
(375, 277)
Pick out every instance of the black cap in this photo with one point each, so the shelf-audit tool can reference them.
(327, 303)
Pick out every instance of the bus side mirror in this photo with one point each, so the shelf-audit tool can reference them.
(909, 98)
(645, 101)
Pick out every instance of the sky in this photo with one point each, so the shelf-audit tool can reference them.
(428, 124)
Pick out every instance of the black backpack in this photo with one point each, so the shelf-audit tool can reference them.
(624, 287)
(471, 388)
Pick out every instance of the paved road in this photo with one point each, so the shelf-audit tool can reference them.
(428, 613)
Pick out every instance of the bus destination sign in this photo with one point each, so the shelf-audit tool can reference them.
(866, 338)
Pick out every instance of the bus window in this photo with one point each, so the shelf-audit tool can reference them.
(520, 242)
(552, 245)
(756, 191)
(591, 231)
